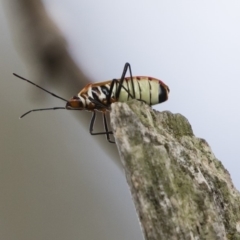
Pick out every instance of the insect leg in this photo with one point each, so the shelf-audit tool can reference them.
(115, 82)
(126, 67)
(119, 85)
(107, 133)
(92, 124)
(106, 128)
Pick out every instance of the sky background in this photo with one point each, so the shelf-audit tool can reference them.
(56, 181)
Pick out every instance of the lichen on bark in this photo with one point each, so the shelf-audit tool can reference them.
(180, 189)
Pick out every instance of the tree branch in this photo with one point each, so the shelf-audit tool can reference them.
(180, 190)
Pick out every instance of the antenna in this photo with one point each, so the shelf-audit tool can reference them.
(41, 109)
(53, 94)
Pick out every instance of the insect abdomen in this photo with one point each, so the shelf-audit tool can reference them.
(146, 89)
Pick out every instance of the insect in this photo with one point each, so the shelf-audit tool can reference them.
(99, 96)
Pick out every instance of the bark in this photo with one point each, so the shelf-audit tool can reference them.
(180, 189)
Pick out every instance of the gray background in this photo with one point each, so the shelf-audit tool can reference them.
(56, 182)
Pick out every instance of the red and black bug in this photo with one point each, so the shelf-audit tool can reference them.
(99, 96)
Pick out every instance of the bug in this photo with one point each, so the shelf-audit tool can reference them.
(99, 96)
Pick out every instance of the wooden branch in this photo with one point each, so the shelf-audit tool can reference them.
(180, 190)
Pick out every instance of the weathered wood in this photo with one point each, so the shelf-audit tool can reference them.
(180, 190)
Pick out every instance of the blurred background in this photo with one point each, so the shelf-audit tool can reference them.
(57, 181)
